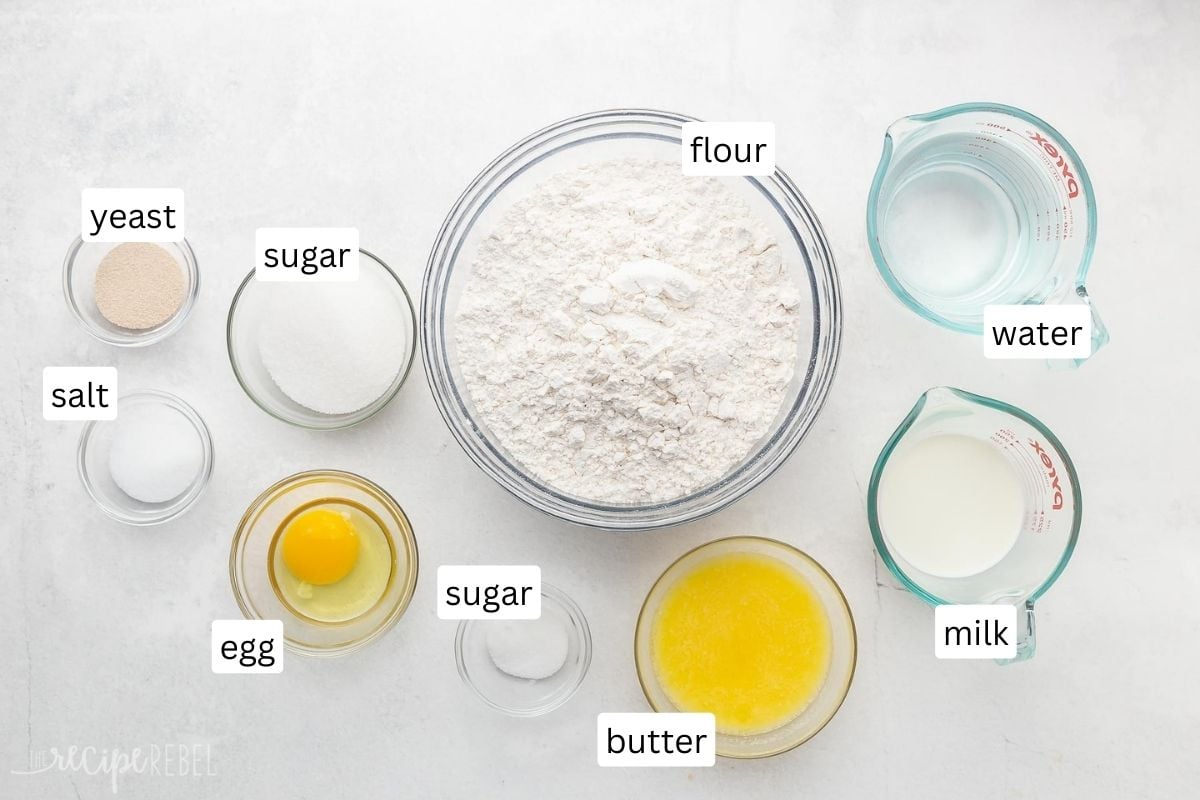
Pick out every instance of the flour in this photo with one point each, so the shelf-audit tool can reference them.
(627, 333)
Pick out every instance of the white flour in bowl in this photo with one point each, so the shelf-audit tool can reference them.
(627, 333)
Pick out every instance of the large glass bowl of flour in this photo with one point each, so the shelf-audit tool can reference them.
(621, 346)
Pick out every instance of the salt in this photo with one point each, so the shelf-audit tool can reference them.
(532, 649)
(156, 453)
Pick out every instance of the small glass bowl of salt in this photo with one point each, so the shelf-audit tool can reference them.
(151, 463)
(526, 668)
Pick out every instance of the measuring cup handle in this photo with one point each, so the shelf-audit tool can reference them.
(1099, 332)
(1026, 641)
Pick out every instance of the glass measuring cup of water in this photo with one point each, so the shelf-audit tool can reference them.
(1050, 498)
(981, 204)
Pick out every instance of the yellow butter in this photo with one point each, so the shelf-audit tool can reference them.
(745, 637)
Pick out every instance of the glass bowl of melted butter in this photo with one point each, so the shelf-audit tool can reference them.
(329, 553)
(756, 633)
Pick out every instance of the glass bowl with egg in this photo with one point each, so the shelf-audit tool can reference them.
(590, 142)
(329, 553)
(753, 631)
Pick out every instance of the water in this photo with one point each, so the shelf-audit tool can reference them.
(952, 231)
(969, 219)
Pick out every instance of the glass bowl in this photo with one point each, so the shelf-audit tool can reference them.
(844, 652)
(603, 136)
(246, 314)
(95, 447)
(254, 584)
(523, 697)
(79, 279)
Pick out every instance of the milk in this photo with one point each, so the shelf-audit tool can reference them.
(950, 505)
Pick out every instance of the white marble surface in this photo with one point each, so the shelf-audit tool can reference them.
(290, 114)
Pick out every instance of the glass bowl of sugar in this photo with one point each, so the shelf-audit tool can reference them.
(527, 667)
(130, 294)
(149, 465)
(323, 355)
(617, 344)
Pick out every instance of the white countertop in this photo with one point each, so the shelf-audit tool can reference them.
(277, 114)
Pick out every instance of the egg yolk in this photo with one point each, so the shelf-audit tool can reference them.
(320, 547)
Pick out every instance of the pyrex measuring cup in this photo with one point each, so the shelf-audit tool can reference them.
(1052, 505)
(981, 204)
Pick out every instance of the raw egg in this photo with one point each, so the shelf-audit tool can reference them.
(332, 562)
(320, 547)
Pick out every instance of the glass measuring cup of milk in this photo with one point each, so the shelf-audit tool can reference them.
(1016, 535)
(981, 204)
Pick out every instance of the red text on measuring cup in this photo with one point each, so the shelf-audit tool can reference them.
(1052, 151)
(1052, 474)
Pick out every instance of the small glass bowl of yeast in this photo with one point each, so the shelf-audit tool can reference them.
(315, 624)
(80, 268)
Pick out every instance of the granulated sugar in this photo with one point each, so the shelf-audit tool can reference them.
(139, 286)
(628, 333)
(333, 347)
(533, 649)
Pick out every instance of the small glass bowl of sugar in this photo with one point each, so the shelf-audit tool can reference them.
(526, 668)
(150, 464)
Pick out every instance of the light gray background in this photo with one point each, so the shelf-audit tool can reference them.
(314, 114)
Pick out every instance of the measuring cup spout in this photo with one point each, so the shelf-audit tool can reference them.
(940, 401)
(903, 129)
(1025, 636)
